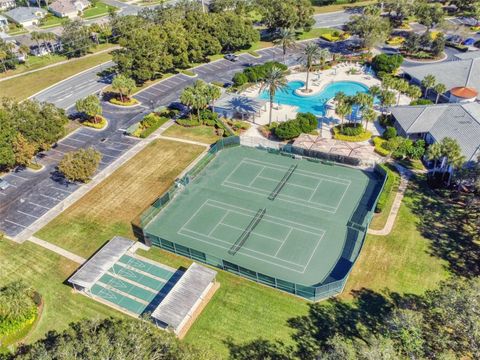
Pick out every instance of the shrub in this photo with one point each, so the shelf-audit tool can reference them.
(240, 79)
(80, 165)
(387, 63)
(385, 120)
(254, 54)
(129, 102)
(396, 40)
(149, 124)
(303, 123)
(17, 308)
(98, 125)
(379, 146)
(188, 73)
(352, 129)
(362, 137)
(194, 121)
(421, 102)
(387, 189)
(390, 132)
(218, 83)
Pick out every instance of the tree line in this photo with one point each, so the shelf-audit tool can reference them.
(27, 128)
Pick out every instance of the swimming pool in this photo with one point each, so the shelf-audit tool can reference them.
(315, 103)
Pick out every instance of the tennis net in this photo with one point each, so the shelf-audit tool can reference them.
(282, 182)
(246, 233)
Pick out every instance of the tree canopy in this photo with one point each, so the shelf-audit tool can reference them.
(80, 165)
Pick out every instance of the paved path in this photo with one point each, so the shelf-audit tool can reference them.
(405, 175)
(183, 140)
(57, 249)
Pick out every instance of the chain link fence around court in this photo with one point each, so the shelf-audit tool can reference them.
(356, 233)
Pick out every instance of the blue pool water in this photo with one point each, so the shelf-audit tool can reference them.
(315, 103)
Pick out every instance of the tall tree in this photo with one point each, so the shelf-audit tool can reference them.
(428, 82)
(80, 165)
(428, 14)
(124, 86)
(296, 14)
(75, 38)
(275, 80)
(286, 40)
(371, 28)
(434, 153)
(91, 107)
(310, 55)
(439, 89)
(24, 150)
(343, 106)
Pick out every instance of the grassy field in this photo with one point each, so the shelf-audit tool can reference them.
(379, 220)
(109, 208)
(46, 273)
(202, 133)
(24, 86)
(100, 9)
(241, 310)
(341, 7)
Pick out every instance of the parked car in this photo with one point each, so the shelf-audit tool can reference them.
(4, 184)
(469, 42)
(231, 57)
(178, 106)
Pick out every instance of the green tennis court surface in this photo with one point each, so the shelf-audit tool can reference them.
(300, 237)
(133, 284)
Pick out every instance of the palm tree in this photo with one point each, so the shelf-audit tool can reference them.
(368, 115)
(414, 92)
(428, 82)
(435, 153)
(375, 91)
(343, 107)
(36, 36)
(213, 93)
(274, 81)
(387, 99)
(48, 37)
(309, 56)
(388, 82)
(24, 50)
(286, 40)
(453, 153)
(188, 98)
(324, 55)
(401, 86)
(439, 89)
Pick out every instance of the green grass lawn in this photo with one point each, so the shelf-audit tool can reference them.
(24, 86)
(202, 133)
(379, 220)
(52, 21)
(341, 6)
(46, 272)
(100, 9)
(241, 310)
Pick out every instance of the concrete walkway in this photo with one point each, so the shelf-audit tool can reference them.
(405, 176)
(57, 249)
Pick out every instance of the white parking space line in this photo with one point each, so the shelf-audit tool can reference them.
(58, 151)
(73, 139)
(83, 134)
(17, 176)
(54, 187)
(14, 223)
(110, 156)
(70, 146)
(24, 213)
(35, 204)
(51, 197)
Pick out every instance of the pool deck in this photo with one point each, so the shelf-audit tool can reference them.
(318, 81)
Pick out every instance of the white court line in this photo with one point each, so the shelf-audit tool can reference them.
(278, 250)
(289, 183)
(242, 250)
(266, 217)
(14, 223)
(24, 213)
(231, 172)
(253, 232)
(20, 177)
(51, 197)
(314, 251)
(314, 191)
(281, 198)
(30, 202)
(255, 178)
(298, 171)
(194, 214)
(219, 223)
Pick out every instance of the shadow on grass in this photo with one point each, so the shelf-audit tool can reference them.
(366, 314)
(441, 219)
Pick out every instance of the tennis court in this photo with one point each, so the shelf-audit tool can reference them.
(265, 215)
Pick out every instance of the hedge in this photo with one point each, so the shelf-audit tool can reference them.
(387, 189)
(379, 149)
(359, 138)
(130, 102)
(188, 73)
(303, 123)
(99, 125)
(396, 40)
(149, 124)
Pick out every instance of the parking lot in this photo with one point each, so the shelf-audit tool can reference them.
(31, 194)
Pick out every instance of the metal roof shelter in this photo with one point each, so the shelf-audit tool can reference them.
(184, 298)
(104, 259)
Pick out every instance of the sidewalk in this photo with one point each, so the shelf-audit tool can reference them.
(405, 176)
(57, 249)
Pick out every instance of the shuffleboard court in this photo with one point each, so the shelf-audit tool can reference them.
(267, 215)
